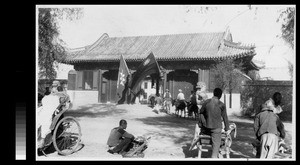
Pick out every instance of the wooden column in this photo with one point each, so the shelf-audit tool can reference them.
(165, 82)
(157, 85)
(99, 85)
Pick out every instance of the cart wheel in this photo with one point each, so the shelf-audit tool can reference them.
(66, 135)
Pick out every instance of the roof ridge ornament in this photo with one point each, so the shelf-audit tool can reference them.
(104, 36)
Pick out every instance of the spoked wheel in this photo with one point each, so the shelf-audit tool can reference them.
(66, 135)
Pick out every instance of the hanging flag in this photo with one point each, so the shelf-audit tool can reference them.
(122, 83)
(147, 67)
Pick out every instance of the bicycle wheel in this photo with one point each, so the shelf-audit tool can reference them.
(66, 136)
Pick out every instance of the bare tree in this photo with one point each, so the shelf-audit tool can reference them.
(228, 75)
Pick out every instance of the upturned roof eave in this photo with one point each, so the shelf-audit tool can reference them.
(72, 61)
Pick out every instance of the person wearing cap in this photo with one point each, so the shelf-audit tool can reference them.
(268, 128)
(55, 84)
(167, 100)
(180, 100)
(44, 115)
(201, 96)
(51, 104)
(180, 95)
(201, 93)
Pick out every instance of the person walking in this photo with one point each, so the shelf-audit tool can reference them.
(268, 127)
(167, 101)
(180, 96)
(193, 108)
(201, 96)
(214, 111)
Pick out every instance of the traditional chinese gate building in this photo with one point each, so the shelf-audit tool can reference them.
(185, 59)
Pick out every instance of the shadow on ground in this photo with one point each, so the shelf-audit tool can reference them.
(241, 147)
(95, 111)
(51, 149)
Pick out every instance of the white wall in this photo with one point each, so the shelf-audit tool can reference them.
(79, 98)
(236, 103)
(63, 70)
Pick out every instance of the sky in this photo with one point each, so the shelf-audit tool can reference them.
(248, 26)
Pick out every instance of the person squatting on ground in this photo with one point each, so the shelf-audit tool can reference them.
(167, 101)
(214, 111)
(56, 101)
(119, 140)
(268, 128)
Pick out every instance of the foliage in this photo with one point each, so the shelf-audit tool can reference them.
(291, 68)
(50, 47)
(254, 75)
(199, 9)
(228, 74)
(257, 92)
(287, 17)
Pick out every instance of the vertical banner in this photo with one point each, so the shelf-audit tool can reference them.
(147, 67)
(122, 83)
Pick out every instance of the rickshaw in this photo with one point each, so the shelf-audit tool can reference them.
(201, 140)
(140, 144)
(65, 133)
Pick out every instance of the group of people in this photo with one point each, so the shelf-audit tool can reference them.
(54, 101)
(196, 98)
(268, 128)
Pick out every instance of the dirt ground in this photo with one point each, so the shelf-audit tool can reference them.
(170, 136)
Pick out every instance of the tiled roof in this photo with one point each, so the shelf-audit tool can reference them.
(196, 46)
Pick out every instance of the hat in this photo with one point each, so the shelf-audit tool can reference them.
(200, 84)
(180, 90)
(55, 83)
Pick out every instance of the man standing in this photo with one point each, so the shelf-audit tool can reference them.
(180, 96)
(214, 111)
(119, 140)
(268, 127)
(201, 93)
(167, 100)
(201, 96)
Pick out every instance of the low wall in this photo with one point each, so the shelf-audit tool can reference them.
(79, 98)
(257, 92)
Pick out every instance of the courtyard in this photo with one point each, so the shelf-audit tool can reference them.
(170, 136)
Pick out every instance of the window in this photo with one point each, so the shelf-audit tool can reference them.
(88, 80)
(71, 80)
(145, 85)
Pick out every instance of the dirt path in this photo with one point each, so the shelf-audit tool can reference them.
(170, 136)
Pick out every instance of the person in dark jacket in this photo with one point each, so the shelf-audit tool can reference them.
(119, 140)
(214, 112)
(268, 128)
